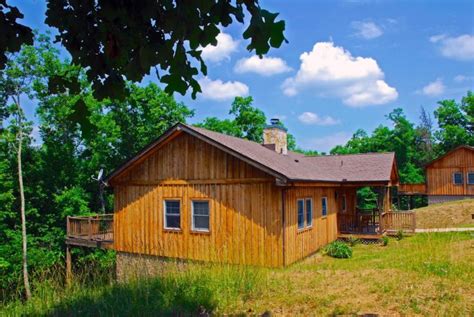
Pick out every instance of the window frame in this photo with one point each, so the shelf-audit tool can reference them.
(467, 177)
(298, 200)
(193, 227)
(454, 179)
(324, 213)
(306, 200)
(165, 222)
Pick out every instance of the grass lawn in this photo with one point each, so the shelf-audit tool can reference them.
(426, 274)
(446, 215)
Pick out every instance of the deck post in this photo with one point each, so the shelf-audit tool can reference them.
(68, 266)
(90, 228)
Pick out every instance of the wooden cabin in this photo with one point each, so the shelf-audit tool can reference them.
(199, 195)
(451, 176)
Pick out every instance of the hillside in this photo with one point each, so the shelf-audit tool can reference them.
(451, 214)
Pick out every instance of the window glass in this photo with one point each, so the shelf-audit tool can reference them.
(344, 206)
(201, 215)
(309, 212)
(457, 178)
(172, 214)
(470, 178)
(324, 203)
(300, 213)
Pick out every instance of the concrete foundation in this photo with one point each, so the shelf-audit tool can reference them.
(443, 199)
(132, 266)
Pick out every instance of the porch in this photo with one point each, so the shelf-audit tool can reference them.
(90, 231)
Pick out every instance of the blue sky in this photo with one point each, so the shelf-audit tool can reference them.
(347, 64)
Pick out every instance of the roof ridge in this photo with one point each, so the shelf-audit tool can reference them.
(353, 154)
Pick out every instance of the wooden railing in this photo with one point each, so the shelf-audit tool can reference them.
(412, 188)
(360, 222)
(395, 221)
(92, 228)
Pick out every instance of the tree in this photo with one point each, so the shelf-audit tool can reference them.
(115, 47)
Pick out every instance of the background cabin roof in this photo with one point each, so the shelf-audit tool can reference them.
(370, 167)
(467, 147)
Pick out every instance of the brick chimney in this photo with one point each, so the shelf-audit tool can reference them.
(274, 137)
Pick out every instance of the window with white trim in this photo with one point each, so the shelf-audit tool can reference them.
(457, 178)
(200, 215)
(470, 178)
(172, 214)
(324, 206)
(309, 212)
(300, 206)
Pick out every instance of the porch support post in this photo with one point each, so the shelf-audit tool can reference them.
(68, 266)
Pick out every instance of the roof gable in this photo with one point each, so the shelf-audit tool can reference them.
(450, 153)
(370, 167)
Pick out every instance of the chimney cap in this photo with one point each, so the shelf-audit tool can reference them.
(275, 123)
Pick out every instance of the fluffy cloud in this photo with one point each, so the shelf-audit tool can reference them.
(219, 90)
(226, 45)
(366, 30)
(460, 48)
(265, 66)
(313, 118)
(463, 78)
(326, 143)
(333, 71)
(433, 89)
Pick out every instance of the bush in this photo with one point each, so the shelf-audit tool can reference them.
(400, 235)
(385, 241)
(338, 249)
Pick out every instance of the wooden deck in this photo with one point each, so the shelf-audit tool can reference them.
(412, 189)
(90, 231)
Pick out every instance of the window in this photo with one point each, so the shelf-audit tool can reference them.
(324, 203)
(172, 214)
(300, 203)
(200, 214)
(309, 212)
(344, 203)
(470, 178)
(457, 178)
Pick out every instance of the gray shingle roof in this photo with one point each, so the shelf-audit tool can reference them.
(375, 167)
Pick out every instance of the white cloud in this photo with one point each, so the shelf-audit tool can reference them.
(265, 66)
(313, 118)
(463, 78)
(226, 45)
(326, 143)
(366, 30)
(219, 90)
(434, 88)
(332, 71)
(460, 48)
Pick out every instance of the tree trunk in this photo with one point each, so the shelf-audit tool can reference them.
(22, 200)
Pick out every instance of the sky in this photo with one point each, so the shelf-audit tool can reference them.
(347, 64)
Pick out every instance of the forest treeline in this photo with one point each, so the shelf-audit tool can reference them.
(75, 135)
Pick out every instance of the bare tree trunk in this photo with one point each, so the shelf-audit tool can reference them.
(22, 200)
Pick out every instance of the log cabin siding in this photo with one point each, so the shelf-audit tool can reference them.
(245, 206)
(301, 243)
(245, 223)
(439, 174)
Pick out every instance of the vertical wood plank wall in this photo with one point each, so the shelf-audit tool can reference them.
(440, 174)
(301, 243)
(245, 216)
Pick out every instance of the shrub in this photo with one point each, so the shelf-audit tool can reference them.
(338, 249)
(400, 235)
(385, 241)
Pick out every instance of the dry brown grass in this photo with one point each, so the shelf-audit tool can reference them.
(425, 275)
(446, 215)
